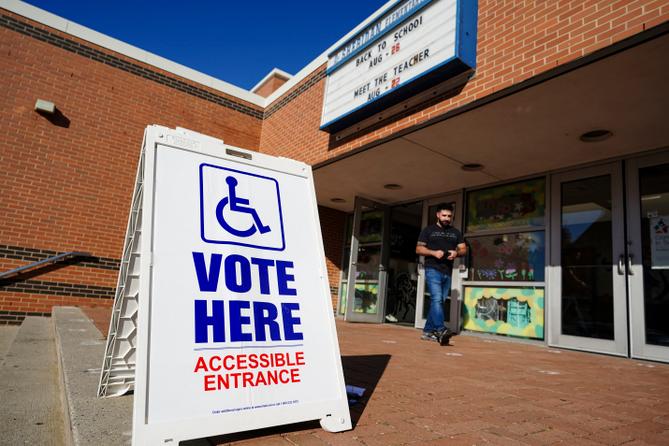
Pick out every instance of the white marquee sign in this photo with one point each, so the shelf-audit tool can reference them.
(413, 39)
(235, 327)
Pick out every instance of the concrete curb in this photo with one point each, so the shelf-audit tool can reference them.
(80, 348)
(67, 428)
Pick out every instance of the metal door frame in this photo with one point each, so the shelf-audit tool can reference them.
(619, 345)
(350, 315)
(637, 329)
(456, 283)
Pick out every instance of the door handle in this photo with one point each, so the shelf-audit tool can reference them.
(629, 265)
(621, 261)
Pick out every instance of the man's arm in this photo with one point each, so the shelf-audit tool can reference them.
(422, 250)
(459, 251)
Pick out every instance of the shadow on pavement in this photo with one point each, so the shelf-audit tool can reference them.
(360, 371)
(363, 371)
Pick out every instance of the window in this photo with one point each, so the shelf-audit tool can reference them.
(510, 206)
(505, 233)
(508, 257)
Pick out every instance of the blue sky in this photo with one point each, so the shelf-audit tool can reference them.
(236, 41)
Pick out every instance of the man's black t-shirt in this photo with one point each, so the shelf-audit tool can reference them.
(444, 238)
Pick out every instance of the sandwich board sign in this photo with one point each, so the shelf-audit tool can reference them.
(235, 329)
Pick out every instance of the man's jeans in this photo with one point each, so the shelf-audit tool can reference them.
(439, 285)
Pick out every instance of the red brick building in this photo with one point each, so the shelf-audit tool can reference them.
(552, 148)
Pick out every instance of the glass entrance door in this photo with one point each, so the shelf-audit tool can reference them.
(451, 311)
(648, 256)
(367, 271)
(405, 225)
(588, 268)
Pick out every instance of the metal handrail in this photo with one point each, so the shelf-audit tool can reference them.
(53, 259)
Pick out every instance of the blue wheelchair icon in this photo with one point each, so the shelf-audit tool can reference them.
(238, 205)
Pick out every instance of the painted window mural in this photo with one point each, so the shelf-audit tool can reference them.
(508, 257)
(509, 311)
(366, 298)
(511, 205)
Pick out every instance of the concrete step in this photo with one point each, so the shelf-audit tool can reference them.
(81, 347)
(7, 335)
(31, 409)
(92, 420)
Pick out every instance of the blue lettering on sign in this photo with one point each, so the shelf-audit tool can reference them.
(265, 316)
(283, 278)
(207, 281)
(203, 320)
(289, 321)
(278, 320)
(239, 283)
(263, 273)
(238, 273)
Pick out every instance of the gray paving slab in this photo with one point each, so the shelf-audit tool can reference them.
(93, 420)
(7, 335)
(31, 411)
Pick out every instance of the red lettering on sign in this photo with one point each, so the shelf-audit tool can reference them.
(267, 369)
(201, 364)
(209, 382)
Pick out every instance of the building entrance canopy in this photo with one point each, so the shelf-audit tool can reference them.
(532, 130)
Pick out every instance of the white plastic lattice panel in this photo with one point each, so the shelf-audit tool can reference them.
(118, 368)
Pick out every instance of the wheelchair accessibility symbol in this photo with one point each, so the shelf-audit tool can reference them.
(240, 208)
(238, 205)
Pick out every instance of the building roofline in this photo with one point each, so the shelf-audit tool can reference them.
(74, 29)
(275, 72)
(118, 46)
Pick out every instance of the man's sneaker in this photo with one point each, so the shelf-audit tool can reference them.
(429, 336)
(446, 331)
(444, 336)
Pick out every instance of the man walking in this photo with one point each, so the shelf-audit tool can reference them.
(440, 243)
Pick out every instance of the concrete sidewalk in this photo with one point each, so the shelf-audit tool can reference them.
(30, 398)
(483, 390)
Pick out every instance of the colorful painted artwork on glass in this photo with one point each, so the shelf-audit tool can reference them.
(510, 311)
(511, 205)
(508, 257)
(366, 298)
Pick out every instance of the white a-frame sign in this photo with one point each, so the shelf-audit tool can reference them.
(234, 324)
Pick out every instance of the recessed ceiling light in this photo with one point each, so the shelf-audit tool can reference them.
(392, 186)
(596, 135)
(471, 167)
(337, 200)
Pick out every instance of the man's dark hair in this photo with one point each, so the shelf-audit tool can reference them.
(444, 207)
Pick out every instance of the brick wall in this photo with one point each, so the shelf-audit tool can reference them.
(270, 85)
(516, 41)
(66, 183)
(333, 226)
